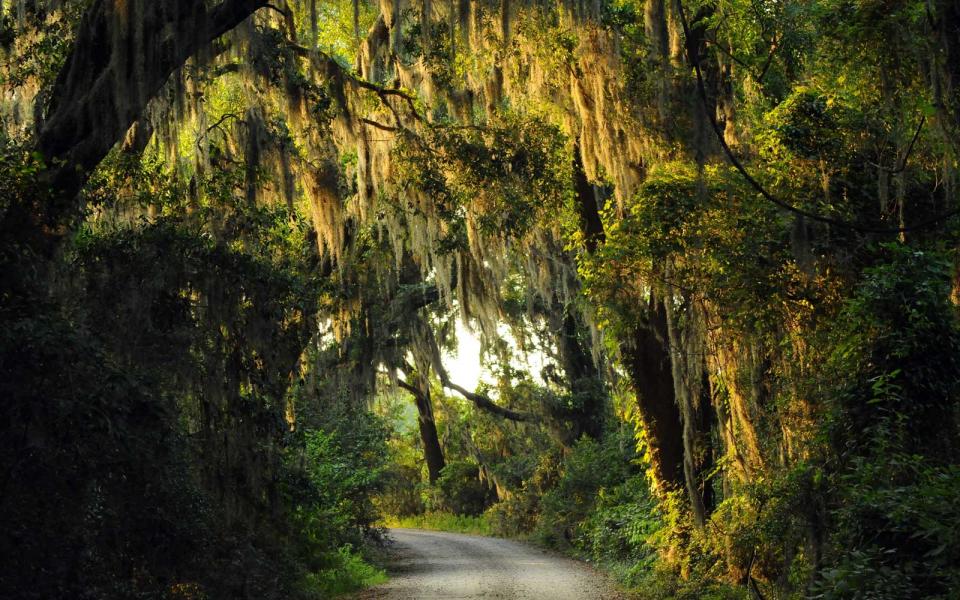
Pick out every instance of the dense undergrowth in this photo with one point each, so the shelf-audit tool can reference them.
(150, 447)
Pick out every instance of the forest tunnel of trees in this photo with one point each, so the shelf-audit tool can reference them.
(239, 240)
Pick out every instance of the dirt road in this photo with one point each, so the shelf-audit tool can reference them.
(429, 564)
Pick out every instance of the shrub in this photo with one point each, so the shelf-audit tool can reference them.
(460, 490)
(444, 521)
(402, 494)
(898, 531)
(591, 468)
(892, 419)
(332, 477)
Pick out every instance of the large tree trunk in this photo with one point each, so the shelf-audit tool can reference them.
(686, 327)
(588, 205)
(123, 54)
(432, 451)
(646, 352)
(946, 31)
(585, 416)
(647, 359)
(575, 349)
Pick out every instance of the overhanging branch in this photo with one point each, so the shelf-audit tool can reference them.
(94, 102)
(485, 403)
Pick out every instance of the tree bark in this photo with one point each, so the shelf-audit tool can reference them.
(647, 359)
(588, 205)
(646, 352)
(123, 54)
(432, 451)
(686, 330)
(946, 30)
(583, 379)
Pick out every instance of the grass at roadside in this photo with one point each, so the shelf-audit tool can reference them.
(443, 521)
(349, 572)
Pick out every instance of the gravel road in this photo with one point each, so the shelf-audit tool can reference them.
(430, 564)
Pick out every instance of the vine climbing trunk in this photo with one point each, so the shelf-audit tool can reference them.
(645, 353)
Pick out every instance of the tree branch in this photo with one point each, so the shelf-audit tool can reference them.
(95, 99)
(217, 125)
(380, 126)
(485, 403)
(410, 388)
(766, 65)
(382, 92)
(903, 161)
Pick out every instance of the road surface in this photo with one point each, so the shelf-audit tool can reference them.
(430, 564)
